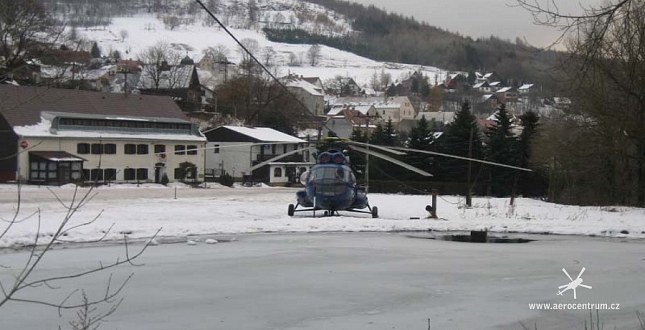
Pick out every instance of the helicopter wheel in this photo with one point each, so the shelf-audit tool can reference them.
(374, 212)
(291, 210)
(326, 213)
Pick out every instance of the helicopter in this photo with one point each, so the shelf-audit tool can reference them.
(331, 185)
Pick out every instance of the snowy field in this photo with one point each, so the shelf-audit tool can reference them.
(140, 211)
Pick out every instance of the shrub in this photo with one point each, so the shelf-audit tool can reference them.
(164, 179)
(226, 180)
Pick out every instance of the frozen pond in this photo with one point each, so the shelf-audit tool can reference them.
(351, 281)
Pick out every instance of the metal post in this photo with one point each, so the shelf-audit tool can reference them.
(433, 213)
(175, 192)
(469, 198)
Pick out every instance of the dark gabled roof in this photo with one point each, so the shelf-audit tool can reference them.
(22, 105)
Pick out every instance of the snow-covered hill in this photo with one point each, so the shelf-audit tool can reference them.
(194, 36)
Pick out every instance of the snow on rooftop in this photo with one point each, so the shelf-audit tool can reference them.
(43, 130)
(265, 134)
(310, 88)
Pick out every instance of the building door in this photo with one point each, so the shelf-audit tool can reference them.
(64, 172)
(159, 172)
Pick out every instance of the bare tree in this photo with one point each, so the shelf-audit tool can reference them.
(253, 47)
(293, 59)
(124, 34)
(606, 65)
(268, 56)
(159, 61)
(25, 28)
(19, 288)
(313, 54)
(171, 22)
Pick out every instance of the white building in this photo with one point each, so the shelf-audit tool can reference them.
(55, 136)
(256, 154)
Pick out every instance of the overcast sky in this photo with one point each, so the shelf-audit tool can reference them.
(479, 18)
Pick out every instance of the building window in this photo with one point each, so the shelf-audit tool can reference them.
(76, 171)
(97, 148)
(86, 175)
(216, 149)
(160, 148)
(284, 148)
(110, 174)
(96, 174)
(277, 172)
(142, 174)
(180, 150)
(192, 150)
(179, 173)
(83, 148)
(130, 149)
(129, 174)
(109, 148)
(142, 149)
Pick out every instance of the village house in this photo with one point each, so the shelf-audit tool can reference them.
(396, 108)
(506, 95)
(309, 94)
(248, 153)
(56, 136)
(180, 82)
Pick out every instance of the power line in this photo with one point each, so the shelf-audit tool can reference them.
(260, 63)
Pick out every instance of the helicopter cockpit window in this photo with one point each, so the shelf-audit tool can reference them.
(330, 173)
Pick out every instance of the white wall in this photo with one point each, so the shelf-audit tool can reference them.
(120, 160)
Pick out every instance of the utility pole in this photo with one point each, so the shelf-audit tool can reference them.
(469, 197)
(367, 156)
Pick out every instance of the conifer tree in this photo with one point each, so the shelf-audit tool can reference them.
(96, 52)
(460, 136)
(501, 148)
(378, 137)
(421, 138)
(390, 134)
(357, 159)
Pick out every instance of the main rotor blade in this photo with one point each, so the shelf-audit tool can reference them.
(464, 158)
(581, 271)
(585, 286)
(279, 157)
(392, 160)
(388, 149)
(565, 273)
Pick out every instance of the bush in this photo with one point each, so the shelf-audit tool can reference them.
(164, 179)
(226, 180)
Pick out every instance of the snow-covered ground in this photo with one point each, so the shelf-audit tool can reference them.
(140, 211)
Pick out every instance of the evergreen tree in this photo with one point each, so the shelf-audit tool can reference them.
(378, 137)
(421, 138)
(532, 183)
(501, 148)
(529, 122)
(390, 134)
(96, 51)
(460, 136)
(357, 159)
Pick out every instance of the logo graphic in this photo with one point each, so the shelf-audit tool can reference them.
(573, 284)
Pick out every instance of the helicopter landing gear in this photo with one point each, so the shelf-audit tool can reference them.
(374, 212)
(291, 210)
